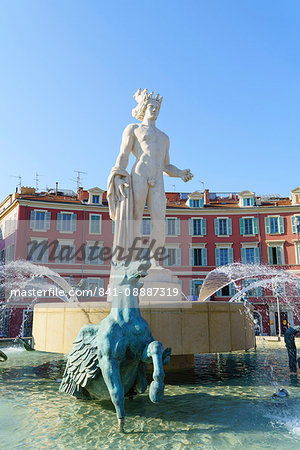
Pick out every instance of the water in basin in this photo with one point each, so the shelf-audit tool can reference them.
(224, 402)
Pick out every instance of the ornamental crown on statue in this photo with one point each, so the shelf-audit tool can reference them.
(142, 98)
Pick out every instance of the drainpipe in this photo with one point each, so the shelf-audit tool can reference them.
(23, 255)
(83, 228)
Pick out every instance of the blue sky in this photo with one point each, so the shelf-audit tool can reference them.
(228, 71)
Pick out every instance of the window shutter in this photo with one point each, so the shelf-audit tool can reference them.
(47, 219)
(191, 255)
(260, 292)
(294, 230)
(191, 225)
(270, 255)
(217, 256)
(203, 227)
(229, 226)
(252, 201)
(230, 255)
(74, 221)
(178, 257)
(267, 225)
(204, 256)
(255, 226)
(244, 202)
(178, 227)
(58, 252)
(32, 219)
(256, 256)
(279, 255)
(217, 227)
(219, 293)
(281, 225)
(243, 255)
(59, 222)
(191, 287)
(190, 203)
(231, 290)
(242, 227)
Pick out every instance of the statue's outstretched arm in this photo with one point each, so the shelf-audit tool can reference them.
(173, 171)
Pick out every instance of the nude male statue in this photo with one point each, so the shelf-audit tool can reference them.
(150, 146)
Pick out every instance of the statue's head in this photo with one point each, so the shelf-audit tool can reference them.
(147, 105)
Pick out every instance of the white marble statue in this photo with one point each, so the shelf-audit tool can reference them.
(128, 194)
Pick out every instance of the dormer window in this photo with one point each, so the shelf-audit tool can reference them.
(195, 200)
(296, 196)
(246, 199)
(95, 196)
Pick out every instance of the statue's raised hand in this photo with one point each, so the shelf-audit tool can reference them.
(186, 175)
(121, 185)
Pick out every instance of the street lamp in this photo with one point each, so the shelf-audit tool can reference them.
(278, 310)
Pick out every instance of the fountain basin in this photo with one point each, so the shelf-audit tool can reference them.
(188, 327)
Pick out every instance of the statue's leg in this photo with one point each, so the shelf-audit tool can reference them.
(292, 353)
(110, 369)
(154, 351)
(156, 202)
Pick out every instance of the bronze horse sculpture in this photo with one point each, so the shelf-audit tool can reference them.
(109, 359)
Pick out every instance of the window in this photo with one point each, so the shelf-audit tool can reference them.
(38, 251)
(95, 224)
(4, 322)
(40, 220)
(248, 226)
(65, 253)
(255, 292)
(224, 256)
(172, 257)
(96, 199)
(66, 222)
(146, 226)
(198, 203)
(248, 201)
(226, 291)
(278, 288)
(94, 254)
(195, 287)
(2, 256)
(198, 256)
(27, 323)
(274, 225)
(197, 226)
(223, 226)
(10, 253)
(275, 254)
(295, 227)
(94, 284)
(172, 226)
(250, 255)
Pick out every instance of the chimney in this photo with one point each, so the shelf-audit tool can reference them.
(206, 197)
(56, 188)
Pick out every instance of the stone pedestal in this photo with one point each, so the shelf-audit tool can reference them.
(160, 285)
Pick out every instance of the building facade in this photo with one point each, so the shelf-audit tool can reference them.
(72, 234)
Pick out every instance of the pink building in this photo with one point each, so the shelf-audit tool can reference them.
(72, 234)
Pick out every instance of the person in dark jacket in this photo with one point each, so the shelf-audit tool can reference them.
(289, 339)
